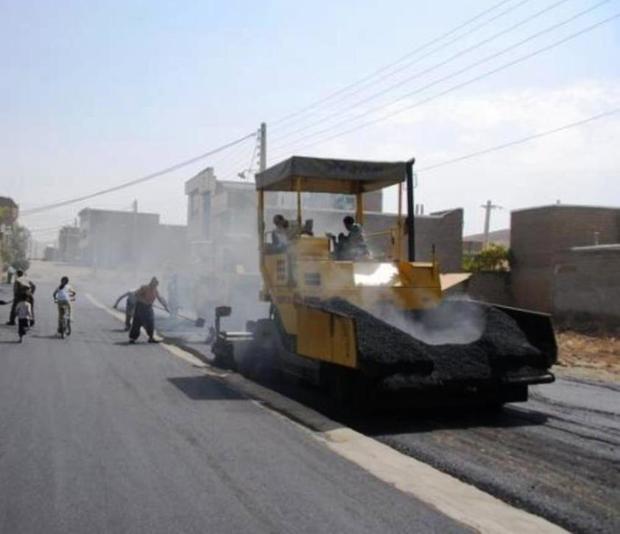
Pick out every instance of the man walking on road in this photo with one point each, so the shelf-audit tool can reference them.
(143, 314)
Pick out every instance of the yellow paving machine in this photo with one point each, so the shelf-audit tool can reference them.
(364, 325)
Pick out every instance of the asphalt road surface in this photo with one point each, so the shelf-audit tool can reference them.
(100, 436)
(558, 455)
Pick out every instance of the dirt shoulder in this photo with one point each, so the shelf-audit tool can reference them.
(588, 356)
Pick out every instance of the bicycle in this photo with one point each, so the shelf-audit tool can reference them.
(64, 320)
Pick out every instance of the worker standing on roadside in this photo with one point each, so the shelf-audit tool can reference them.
(10, 272)
(130, 307)
(143, 315)
(173, 294)
(23, 289)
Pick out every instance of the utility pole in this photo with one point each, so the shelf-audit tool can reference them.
(487, 220)
(262, 139)
(410, 211)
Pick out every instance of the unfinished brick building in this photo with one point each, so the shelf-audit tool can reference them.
(541, 236)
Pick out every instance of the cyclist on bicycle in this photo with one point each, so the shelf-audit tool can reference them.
(63, 295)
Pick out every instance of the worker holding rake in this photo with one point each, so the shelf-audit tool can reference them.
(143, 313)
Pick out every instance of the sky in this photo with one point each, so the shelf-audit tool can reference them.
(93, 94)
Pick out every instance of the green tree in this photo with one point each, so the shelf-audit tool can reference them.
(15, 248)
(492, 258)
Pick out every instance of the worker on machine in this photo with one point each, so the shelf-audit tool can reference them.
(23, 289)
(281, 234)
(143, 314)
(352, 246)
(130, 307)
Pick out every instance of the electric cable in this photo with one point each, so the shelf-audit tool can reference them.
(427, 70)
(520, 141)
(140, 180)
(314, 104)
(460, 85)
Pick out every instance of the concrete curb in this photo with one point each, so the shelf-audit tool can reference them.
(450, 496)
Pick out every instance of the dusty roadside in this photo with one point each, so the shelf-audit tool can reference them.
(588, 356)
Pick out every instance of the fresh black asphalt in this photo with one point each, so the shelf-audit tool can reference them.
(100, 436)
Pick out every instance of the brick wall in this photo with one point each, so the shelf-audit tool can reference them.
(540, 235)
(586, 286)
(494, 287)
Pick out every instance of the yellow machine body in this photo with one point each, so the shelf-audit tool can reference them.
(305, 274)
(295, 280)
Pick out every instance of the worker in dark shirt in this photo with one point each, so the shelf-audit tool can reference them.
(351, 246)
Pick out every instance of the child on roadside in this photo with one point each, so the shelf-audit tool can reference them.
(23, 311)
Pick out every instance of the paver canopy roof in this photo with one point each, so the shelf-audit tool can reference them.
(320, 175)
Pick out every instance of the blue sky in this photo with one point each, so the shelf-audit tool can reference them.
(96, 93)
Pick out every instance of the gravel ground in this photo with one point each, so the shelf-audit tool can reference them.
(589, 356)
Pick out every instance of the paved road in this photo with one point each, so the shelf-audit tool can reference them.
(557, 455)
(99, 436)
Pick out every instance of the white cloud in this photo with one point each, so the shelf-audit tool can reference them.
(580, 165)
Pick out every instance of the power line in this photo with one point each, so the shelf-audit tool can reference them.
(454, 74)
(387, 67)
(450, 89)
(428, 70)
(520, 141)
(140, 180)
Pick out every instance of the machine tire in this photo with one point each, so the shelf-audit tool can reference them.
(223, 356)
(258, 364)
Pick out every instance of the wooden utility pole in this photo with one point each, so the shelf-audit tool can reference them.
(487, 221)
(262, 162)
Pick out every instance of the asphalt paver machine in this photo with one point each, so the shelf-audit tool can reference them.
(370, 326)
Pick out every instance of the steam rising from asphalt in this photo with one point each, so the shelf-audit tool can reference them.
(452, 322)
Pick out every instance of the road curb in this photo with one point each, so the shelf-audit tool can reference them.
(452, 497)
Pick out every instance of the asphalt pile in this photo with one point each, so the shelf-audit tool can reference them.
(381, 343)
(501, 343)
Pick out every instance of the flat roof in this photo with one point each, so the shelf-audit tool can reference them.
(597, 248)
(118, 212)
(321, 175)
(571, 206)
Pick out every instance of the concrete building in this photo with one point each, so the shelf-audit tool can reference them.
(539, 238)
(222, 223)
(586, 286)
(110, 238)
(69, 244)
(9, 212)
